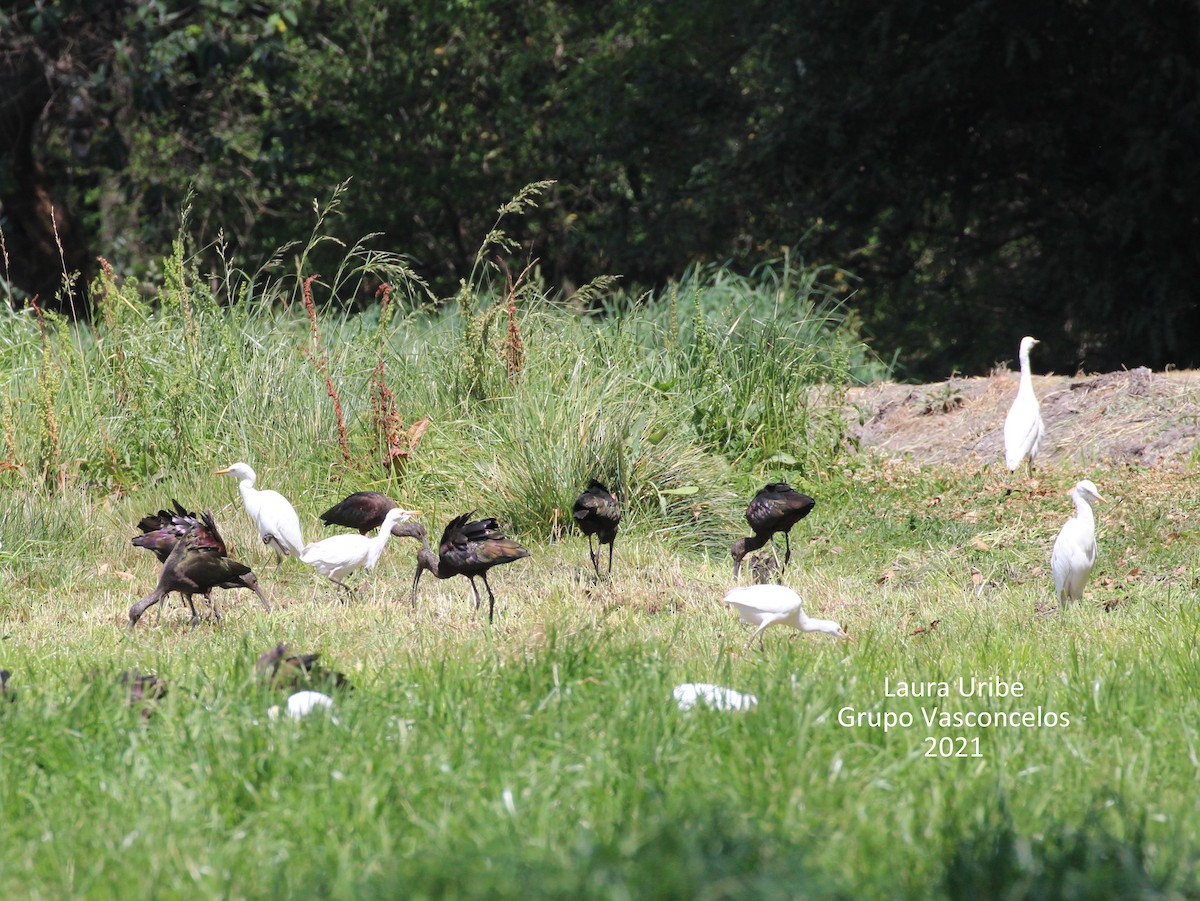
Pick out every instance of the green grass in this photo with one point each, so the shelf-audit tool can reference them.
(543, 756)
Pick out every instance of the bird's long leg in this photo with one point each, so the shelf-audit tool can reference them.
(342, 586)
(195, 615)
(491, 598)
(610, 553)
(787, 556)
(594, 553)
(475, 588)
(756, 634)
(416, 580)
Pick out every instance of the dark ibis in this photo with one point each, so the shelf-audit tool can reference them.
(468, 549)
(776, 508)
(297, 671)
(162, 530)
(597, 513)
(145, 689)
(363, 511)
(342, 555)
(196, 565)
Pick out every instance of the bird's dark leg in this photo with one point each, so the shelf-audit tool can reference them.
(416, 580)
(195, 615)
(475, 588)
(787, 555)
(491, 599)
(595, 555)
(610, 553)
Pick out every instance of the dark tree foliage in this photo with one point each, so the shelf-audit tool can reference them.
(989, 169)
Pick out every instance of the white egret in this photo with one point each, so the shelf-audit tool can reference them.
(690, 694)
(1023, 428)
(273, 514)
(771, 605)
(1074, 552)
(340, 555)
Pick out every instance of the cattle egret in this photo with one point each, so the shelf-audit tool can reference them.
(294, 670)
(342, 555)
(691, 694)
(468, 549)
(776, 508)
(1074, 552)
(776, 605)
(196, 565)
(1023, 428)
(274, 516)
(597, 513)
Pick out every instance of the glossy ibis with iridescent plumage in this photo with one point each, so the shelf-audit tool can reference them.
(468, 549)
(196, 565)
(776, 508)
(597, 513)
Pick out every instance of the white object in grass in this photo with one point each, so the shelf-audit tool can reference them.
(689, 694)
(1023, 428)
(302, 703)
(273, 514)
(777, 605)
(1074, 552)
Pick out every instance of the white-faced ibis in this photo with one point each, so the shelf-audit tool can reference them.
(294, 671)
(342, 555)
(162, 530)
(598, 513)
(776, 508)
(362, 511)
(468, 549)
(1074, 552)
(197, 565)
(273, 514)
(1023, 428)
(776, 605)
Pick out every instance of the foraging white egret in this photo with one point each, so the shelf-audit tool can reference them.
(1074, 552)
(273, 514)
(1023, 428)
(771, 605)
(341, 555)
(690, 694)
(302, 703)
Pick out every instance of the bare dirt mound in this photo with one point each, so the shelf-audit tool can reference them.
(1135, 416)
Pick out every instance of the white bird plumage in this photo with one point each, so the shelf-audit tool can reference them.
(1074, 552)
(302, 703)
(776, 605)
(341, 555)
(273, 514)
(1023, 427)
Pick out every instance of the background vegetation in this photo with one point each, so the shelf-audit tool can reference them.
(986, 170)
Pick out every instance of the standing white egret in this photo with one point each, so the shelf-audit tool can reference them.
(772, 605)
(1074, 552)
(341, 555)
(1023, 428)
(273, 514)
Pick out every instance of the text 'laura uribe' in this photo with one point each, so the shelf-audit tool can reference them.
(942, 706)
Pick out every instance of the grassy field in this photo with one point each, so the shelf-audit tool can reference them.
(543, 756)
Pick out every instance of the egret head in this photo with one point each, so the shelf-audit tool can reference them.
(239, 471)
(1087, 490)
(396, 515)
(1027, 344)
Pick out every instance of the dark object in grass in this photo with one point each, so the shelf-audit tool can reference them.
(5, 694)
(297, 671)
(468, 549)
(598, 513)
(196, 565)
(776, 508)
(144, 690)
